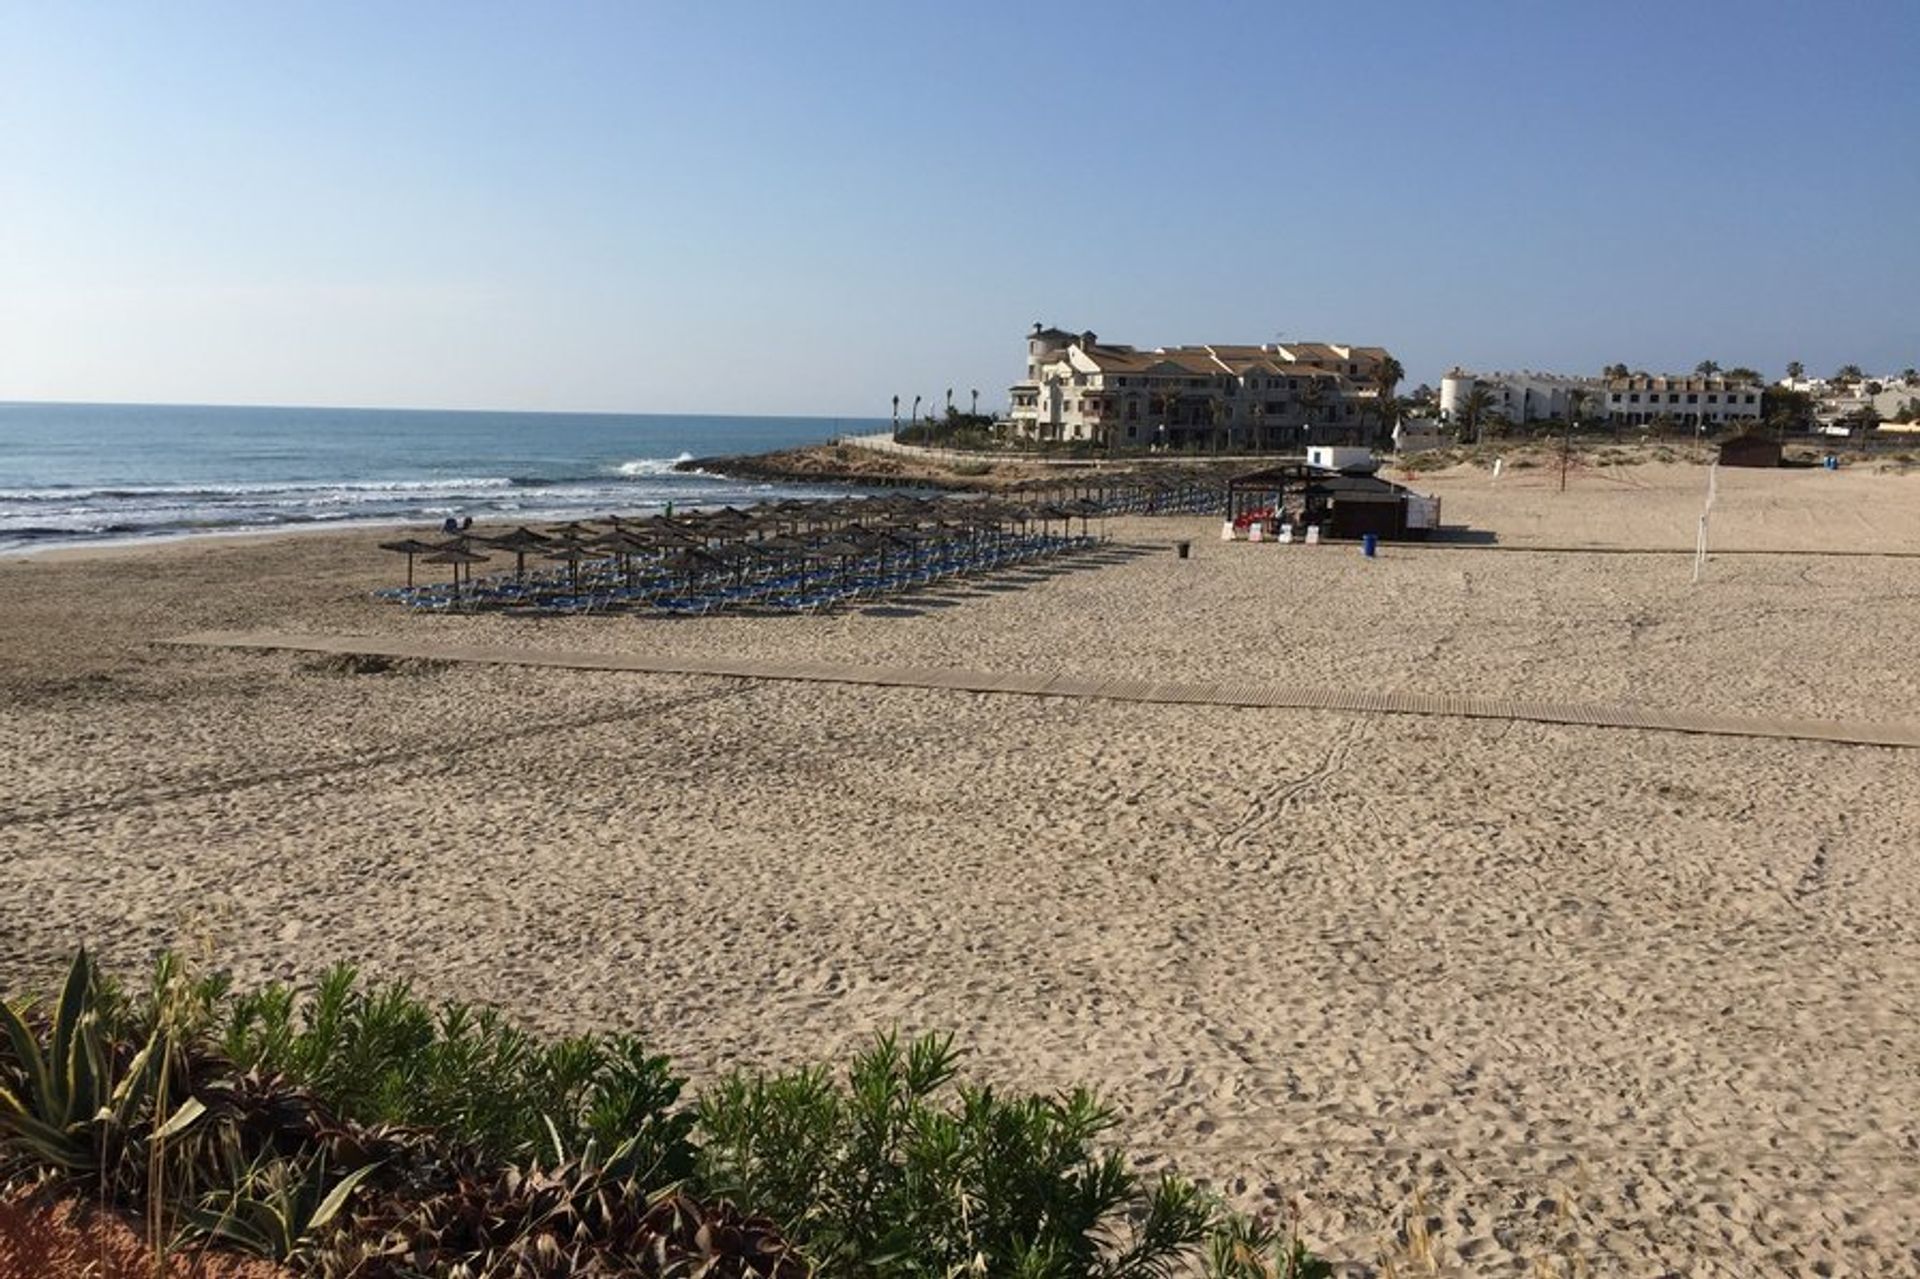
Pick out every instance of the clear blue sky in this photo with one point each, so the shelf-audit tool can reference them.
(806, 208)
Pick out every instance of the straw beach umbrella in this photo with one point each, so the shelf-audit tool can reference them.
(410, 547)
(625, 542)
(841, 549)
(520, 541)
(572, 553)
(456, 556)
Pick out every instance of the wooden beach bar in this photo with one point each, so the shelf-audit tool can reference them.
(1343, 504)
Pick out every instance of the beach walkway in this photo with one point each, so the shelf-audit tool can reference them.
(1249, 694)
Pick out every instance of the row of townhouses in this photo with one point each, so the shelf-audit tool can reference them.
(1283, 395)
(1710, 403)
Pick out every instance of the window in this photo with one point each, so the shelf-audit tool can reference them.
(1693, 399)
(1749, 399)
(1713, 399)
(1673, 399)
(1276, 406)
(1634, 398)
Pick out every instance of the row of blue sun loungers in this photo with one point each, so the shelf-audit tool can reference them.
(798, 586)
(1195, 500)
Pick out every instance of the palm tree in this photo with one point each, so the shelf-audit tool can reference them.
(1169, 409)
(1313, 398)
(976, 402)
(1848, 373)
(949, 401)
(896, 415)
(1796, 370)
(1614, 370)
(1386, 376)
(1706, 368)
(1472, 411)
(916, 408)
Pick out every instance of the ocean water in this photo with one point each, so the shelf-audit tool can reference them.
(72, 473)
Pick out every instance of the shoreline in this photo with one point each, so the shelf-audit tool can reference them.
(130, 547)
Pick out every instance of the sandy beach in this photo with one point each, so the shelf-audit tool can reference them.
(1643, 996)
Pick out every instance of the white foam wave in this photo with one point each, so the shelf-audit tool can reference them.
(653, 465)
(132, 492)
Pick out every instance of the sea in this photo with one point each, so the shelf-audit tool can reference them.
(88, 473)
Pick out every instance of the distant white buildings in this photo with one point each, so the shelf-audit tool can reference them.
(1522, 397)
(1836, 402)
(1706, 403)
(1219, 398)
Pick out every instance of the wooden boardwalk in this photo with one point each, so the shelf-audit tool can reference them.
(1235, 693)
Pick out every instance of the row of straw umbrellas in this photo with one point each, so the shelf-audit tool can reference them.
(713, 541)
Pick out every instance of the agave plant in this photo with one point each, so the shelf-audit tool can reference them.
(77, 1099)
(278, 1208)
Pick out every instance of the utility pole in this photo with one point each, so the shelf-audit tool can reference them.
(1566, 439)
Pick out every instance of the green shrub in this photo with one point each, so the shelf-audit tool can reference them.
(284, 1144)
(378, 1055)
(1240, 1248)
(895, 1174)
(78, 1094)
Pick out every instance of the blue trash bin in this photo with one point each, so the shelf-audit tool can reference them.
(1369, 544)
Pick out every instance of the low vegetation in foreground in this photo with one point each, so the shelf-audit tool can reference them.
(356, 1131)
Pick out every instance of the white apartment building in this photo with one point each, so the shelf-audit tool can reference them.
(1285, 395)
(1523, 396)
(1706, 403)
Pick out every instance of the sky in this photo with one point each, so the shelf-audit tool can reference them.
(809, 208)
